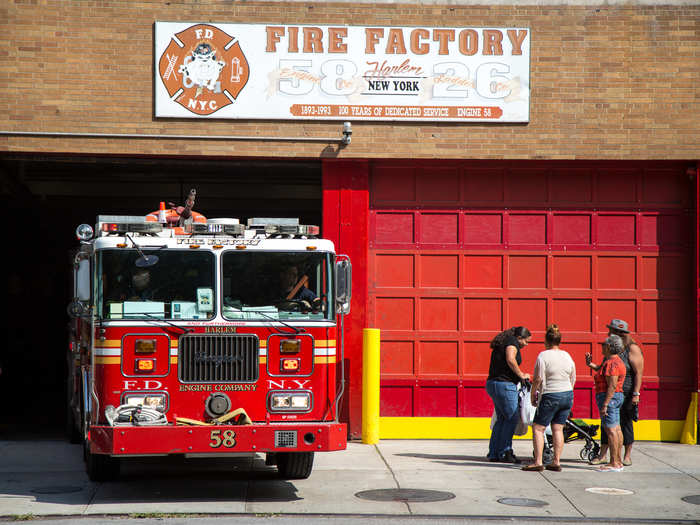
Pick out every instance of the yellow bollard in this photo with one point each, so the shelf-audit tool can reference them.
(370, 386)
(689, 433)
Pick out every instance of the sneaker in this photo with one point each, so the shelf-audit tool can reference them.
(509, 457)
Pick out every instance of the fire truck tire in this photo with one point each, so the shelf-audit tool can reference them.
(295, 465)
(100, 467)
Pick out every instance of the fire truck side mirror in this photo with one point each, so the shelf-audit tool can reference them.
(82, 280)
(343, 286)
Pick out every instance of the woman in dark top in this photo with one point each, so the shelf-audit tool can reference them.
(504, 375)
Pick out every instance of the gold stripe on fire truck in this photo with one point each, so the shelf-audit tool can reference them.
(111, 360)
(115, 343)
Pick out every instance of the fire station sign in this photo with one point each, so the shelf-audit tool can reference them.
(273, 72)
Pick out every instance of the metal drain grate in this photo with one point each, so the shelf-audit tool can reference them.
(405, 495)
(523, 502)
(285, 439)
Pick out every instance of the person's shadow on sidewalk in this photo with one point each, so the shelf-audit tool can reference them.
(458, 460)
(452, 459)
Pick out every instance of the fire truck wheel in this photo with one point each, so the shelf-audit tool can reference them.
(100, 467)
(295, 465)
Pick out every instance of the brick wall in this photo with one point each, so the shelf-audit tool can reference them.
(608, 82)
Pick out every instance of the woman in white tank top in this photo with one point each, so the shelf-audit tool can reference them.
(553, 394)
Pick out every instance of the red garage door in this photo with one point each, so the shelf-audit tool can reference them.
(459, 252)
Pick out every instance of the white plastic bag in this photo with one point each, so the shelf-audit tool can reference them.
(493, 419)
(527, 411)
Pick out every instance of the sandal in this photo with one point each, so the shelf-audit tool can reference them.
(610, 469)
(534, 468)
(627, 463)
(555, 468)
(597, 461)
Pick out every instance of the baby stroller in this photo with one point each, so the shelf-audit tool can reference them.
(574, 429)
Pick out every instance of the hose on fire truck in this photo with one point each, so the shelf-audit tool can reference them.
(135, 415)
(235, 417)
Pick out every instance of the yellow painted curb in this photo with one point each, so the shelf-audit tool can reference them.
(478, 428)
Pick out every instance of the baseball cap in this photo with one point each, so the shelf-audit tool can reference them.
(619, 325)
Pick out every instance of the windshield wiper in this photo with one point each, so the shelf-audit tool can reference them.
(156, 318)
(296, 330)
(144, 261)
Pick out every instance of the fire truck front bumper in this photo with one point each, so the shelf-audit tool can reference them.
(219, 439)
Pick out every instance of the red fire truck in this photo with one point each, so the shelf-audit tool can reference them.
(200, 337)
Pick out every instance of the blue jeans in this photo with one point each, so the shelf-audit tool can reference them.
(505, 400)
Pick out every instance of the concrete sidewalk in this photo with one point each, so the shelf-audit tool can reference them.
(47, 477)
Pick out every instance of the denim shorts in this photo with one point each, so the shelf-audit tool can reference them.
(554, 408)
(612, 419)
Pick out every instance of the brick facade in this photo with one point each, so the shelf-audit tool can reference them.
(608, 81)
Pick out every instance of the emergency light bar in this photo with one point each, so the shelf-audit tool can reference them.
(300, 229)
(285, 227)
(209, 228)
(261, 222)
(120, 224)
(133, 227)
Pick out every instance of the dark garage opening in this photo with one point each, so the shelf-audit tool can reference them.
(46, 197)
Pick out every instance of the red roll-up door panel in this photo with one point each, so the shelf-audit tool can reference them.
(460, 251)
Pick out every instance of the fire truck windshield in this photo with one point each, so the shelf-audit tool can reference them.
(180, 286)
(280, 285)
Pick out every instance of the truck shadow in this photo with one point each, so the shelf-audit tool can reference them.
(34, 473)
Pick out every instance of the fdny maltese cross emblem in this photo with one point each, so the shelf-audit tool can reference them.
(203, 69)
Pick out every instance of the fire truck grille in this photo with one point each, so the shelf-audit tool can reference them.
(285, 439)
(218, 358)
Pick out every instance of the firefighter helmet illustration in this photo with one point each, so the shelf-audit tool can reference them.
(203, 69)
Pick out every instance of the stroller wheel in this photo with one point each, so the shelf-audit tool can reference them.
(585, 452)
(592, 455)
(547, 456)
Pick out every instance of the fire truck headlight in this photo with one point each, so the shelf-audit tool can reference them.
(290, 402)
(300, 402)
(84, 232)
(156, 401)
(279, 401)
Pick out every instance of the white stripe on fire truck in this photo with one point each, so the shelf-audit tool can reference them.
(173, 351)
